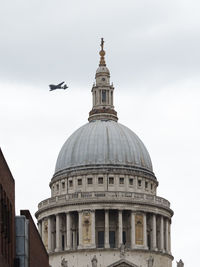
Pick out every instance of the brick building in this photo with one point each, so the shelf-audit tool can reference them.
(7, 214)
(20, 242)
(37, 255)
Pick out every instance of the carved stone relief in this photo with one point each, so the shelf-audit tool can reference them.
(86, 227)
(64, 263)
(45, 233)
(139, 229)
(150, 261)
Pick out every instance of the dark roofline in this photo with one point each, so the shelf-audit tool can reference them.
(6, 165)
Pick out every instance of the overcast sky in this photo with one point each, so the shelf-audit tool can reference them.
(153, 53)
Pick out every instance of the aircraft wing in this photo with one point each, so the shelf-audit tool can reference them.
(60, 84)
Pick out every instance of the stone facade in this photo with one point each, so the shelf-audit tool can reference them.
(104, 209)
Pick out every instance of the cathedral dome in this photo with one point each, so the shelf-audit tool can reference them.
(103, 143)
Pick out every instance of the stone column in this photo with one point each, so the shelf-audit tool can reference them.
(167, 235)
(145, 230)
(40, 228)
(49, 234)
(161, 234)
(120, 227)
(106, 238)
(154, 231)
(132, 229)
(80, 232)
(58, 234)
(68, 242)
(74, 234)
(93, 243)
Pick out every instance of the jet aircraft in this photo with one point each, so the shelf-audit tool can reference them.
(58, 86)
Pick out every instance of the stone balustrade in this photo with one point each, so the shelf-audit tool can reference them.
(81, 197)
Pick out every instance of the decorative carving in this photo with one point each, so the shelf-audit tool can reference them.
(64, 263)
(102, 54)
(180, 264)
(45, 233)
(94, 261)
(122, 250)
(139, 229)
(102, 43)
(150, 261)
(86, 223)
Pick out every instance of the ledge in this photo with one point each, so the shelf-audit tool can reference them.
(102, 197)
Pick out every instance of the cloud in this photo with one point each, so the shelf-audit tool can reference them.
(147, 43)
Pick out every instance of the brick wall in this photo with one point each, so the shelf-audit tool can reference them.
(7, 214)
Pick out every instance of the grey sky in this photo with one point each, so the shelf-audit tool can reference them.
(152, 51)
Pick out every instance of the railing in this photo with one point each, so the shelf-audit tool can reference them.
(104, 196)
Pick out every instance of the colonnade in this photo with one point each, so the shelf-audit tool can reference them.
(78, 230)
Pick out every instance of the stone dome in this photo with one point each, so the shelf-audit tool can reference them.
(102, 69)
(103, 143)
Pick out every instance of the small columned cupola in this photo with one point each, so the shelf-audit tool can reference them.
(102, 92)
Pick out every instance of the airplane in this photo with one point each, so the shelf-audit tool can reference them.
(58, 86)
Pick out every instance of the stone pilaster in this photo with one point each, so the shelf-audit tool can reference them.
(49, 234)
(145, 230)
(80, 230)
(154, 243)
(40, 228)
(161, 234)
(120, 228)
(58, 233)
(68, 231)
(132, 229)
(106, 239)
(93, 229)
(167, 235)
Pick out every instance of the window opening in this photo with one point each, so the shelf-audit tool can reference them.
(79, 181)
(121, 180)
(124, 237)
(100, 239)
(63, 242)
(146, 185)
(111, 180)
(100, 180)
(89, 180)
(112, 239)
(103, 96)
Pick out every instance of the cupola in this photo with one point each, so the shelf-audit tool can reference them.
(102, 92)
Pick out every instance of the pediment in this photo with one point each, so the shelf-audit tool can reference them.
(122, 263)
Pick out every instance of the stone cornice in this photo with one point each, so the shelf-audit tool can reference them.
(103, 169)
(102, 198)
